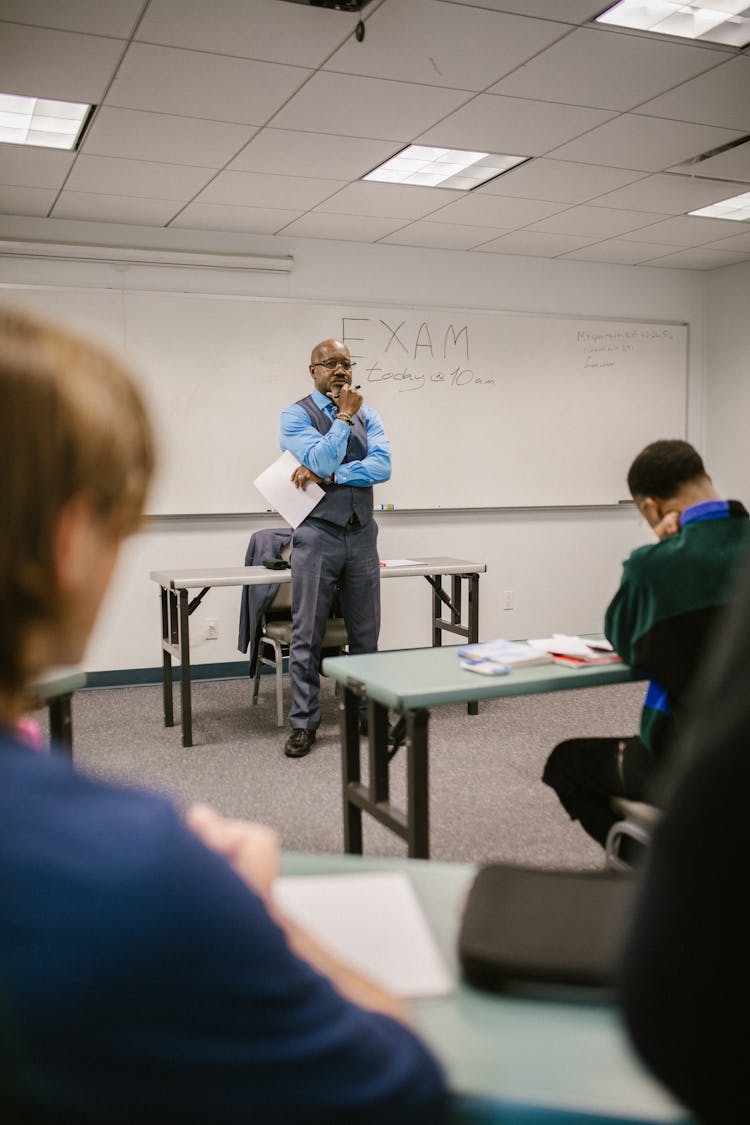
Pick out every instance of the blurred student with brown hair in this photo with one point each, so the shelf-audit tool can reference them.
(144, 972)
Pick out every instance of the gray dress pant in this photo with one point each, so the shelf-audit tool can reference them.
(324, 556)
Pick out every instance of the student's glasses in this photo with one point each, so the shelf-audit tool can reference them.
(332, 364)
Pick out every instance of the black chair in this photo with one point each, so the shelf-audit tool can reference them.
(637, 823)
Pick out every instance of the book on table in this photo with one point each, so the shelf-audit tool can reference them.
(576, 652)
(493, 658)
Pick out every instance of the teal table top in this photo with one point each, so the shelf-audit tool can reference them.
(505, 1054)
(430, 677)
(56, 682)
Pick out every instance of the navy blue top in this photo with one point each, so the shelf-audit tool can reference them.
(143, 981)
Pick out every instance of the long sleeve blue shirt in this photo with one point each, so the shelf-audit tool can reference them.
(324, 453)
(142, 981)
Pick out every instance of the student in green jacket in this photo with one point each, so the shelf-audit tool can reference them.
(658, 621)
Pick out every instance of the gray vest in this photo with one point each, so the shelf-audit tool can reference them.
(342, 501)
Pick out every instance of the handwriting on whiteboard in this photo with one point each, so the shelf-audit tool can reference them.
(411, 356)
(601, 347)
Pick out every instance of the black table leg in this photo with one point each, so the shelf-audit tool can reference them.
(350, 770)
(185, 697)
(473, 609)
(61, 722)
(417, 780)
(473, 706)
(166, 659)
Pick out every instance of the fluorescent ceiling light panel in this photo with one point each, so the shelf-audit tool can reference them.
(738, 208)
(442, 167)
(718, 21)
(39, 121)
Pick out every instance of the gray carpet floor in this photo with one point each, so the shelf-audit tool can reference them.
(486, 798)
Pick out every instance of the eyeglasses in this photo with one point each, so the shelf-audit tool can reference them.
(332, 364)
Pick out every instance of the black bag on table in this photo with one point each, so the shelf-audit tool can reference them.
(529, 926)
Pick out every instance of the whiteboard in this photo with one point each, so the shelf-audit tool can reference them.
(482, 409)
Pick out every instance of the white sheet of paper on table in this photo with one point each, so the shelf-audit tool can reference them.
(374, 922)
(275, 485)
(567, 645)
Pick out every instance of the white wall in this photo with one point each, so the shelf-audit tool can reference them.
(562, 565)
(728, 383)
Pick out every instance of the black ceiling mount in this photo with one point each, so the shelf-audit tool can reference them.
(336, 5)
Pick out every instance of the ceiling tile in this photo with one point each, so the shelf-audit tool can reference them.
(398, 201)
(366, 107)
(669, 194)
(262, 29)
(106, 175)
(607, 70)
(559, 181)
(685, 230)
(289, 153)
(721, 97)
(648, 143)
(217, 120)
(533, 243)
(66, 66)
(349, 228)
(21, 166)
(90, 16)
(477, 209)
(196, 84)
(619, 252)
(114, 208)
(739, 243)
(253, 189)
(26, 201)
(137, 135)
(247, 220)
(595, 222)
(698, 258)
(731, 165)
(572, 11)
(444, 236)
(443, 44)
(512, 125)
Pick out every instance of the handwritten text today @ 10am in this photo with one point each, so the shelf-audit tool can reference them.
(409, 380)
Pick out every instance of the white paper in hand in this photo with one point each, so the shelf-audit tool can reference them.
(373, 921)
(275, 485)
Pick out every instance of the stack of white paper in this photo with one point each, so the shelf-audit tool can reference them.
(574, 651)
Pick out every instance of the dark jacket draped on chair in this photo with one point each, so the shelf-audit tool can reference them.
(264, 544)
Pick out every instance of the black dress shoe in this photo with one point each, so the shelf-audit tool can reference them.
(299, 743)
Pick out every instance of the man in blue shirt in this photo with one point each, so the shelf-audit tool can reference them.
(341, 445)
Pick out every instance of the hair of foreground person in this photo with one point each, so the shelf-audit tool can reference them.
(73, 425)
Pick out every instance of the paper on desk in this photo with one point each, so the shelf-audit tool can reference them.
(275, 484)
(374, 922)
(565, 645)
(398, 562)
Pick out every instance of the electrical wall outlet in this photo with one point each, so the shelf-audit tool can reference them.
(507, 599)
(212, 629)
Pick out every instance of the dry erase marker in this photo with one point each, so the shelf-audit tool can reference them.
(356, 387)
